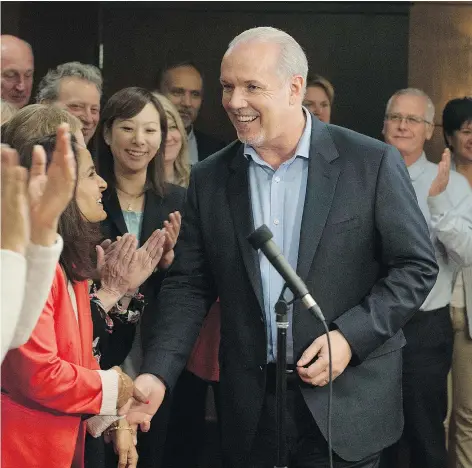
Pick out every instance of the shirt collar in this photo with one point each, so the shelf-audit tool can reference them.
(191, 134)
(303, 147)
(417, 168)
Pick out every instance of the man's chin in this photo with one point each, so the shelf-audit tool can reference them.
(88, 134)
(252, 140)
(19, 102)
(187, 120)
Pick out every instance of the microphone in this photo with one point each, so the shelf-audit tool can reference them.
(261, 239)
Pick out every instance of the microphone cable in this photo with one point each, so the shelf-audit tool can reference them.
(316, 314)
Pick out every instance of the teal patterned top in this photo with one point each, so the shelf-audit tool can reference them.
(134, 221)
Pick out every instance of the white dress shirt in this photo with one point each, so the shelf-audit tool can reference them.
(462, 294)
(449, 218)
(458, 293)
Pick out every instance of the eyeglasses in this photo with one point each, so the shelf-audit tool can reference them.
(409, 119)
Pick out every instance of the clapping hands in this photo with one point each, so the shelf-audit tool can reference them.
(15, 216)
(123, 267)
(439, 184)
(172, 228)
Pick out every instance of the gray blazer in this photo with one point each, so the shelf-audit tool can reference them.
(366, 256)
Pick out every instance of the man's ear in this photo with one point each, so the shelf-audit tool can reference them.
(296, 89)
(429, 131)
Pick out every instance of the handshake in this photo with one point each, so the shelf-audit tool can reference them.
(138, 402)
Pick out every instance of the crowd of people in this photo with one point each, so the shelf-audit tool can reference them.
(129, 288)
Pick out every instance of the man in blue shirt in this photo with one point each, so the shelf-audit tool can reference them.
(344, 213)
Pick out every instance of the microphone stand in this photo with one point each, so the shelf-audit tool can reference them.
(281, 313)
(261, 239)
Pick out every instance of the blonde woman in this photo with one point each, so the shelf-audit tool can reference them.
(176, 157)
(319, 97)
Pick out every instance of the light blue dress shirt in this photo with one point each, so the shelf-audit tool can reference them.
(278, 198)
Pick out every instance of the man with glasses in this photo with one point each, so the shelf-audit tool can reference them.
(445, 198)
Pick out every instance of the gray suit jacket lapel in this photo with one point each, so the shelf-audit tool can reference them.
(323, 173)
(241, 211)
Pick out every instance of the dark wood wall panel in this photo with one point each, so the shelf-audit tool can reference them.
(11, 12)
(58, 31)
(362, 47)
(363, 52)
(440, 63)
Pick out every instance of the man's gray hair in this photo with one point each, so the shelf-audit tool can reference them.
(292, 59)
(429, 114)
(48, 90)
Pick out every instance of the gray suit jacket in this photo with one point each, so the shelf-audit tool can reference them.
(365, 255)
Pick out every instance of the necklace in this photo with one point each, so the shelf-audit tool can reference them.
(133, 198)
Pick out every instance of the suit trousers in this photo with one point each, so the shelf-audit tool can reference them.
(427, 359)
(186, 432)
(460, 424)
(306, 444)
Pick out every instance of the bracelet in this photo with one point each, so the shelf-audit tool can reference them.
(112, 429)
(114, 425)
(125, 385)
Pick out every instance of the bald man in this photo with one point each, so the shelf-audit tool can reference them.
(17, 70)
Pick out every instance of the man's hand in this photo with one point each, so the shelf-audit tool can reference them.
(439, 184)
(318, 373)
(127, 391)
(154, 390)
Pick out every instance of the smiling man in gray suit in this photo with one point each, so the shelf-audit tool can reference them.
(343, 211)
